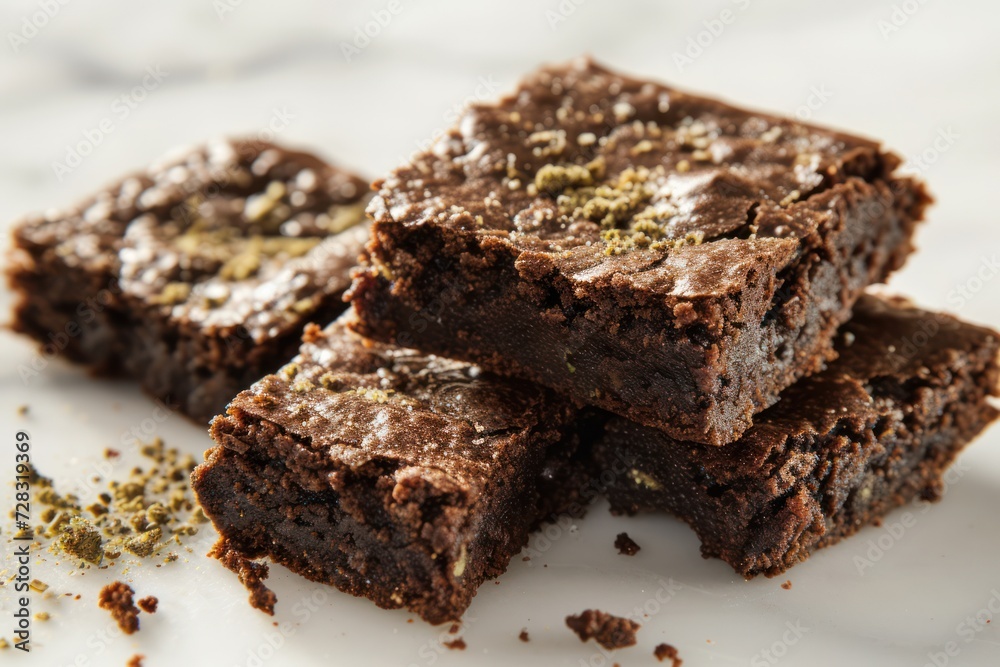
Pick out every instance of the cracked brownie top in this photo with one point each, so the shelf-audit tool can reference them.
(228, 233)
(362, 402)
(592, 173)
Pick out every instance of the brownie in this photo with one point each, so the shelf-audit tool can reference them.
(116, 597)
(626, 545)
(611, 632)
(667, 257)
(393, 475)
(197, 275)
(873, 431)
(668, 652)
(149, 604)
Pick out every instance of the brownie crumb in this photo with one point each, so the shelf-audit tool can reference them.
(135, 661)
(455, 627)
(116, 597)
(626, 545)
(250, 574)
(456, 644)
(524, 635)
(609, 631)
(787, 585)
(667, 652)
(22, 410)
(149, 604)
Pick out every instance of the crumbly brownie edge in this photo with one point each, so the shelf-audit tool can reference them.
(261, 509)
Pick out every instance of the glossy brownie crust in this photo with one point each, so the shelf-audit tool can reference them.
(403, 478)
(667, 257)
(195, 276)
(875, 430)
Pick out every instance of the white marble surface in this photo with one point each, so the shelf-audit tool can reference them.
(226, 72)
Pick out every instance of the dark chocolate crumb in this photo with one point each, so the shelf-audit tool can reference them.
(456, 644)
(524, 635)
(611, 632)
(116, 597)
(665, 651)
(148, 604)
(787, 585)
(250, 574)
(626, 545)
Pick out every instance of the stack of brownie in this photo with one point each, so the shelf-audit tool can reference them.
(596, 279)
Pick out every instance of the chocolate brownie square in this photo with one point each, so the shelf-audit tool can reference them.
(875, 430)
(196, 275)
(667, 257)
(393, 475)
